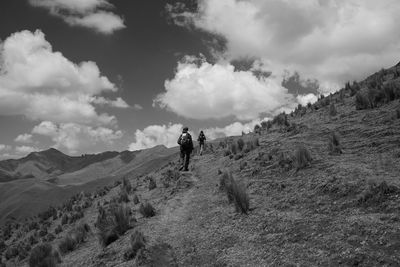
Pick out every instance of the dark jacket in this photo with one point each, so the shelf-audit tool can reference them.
(201, 138)
(190, 146)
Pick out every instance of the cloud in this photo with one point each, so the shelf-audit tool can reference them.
(76, 137)
(89, 13)
(305, 99)
(24, 138)
(167, 135)
(156, 135)
(137, 107)
(42, 84)
(5, 148)
(23, 150)
(235, 128)
(332, 41)
(201, 90)
(118, 103)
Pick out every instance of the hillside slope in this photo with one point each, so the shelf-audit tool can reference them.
(339, 206)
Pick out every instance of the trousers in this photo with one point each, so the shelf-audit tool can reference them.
(185, 158)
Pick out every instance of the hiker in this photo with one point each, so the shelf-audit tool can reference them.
(186, 145)
(201, 140)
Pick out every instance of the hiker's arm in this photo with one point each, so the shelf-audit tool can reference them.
(179, 140)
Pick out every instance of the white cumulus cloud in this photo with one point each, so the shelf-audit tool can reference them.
(156, 135)
(305, 99)
(86, 13)
(24, 138)
(332, 41)
(203, 90)
(42, 84)
(76, 137)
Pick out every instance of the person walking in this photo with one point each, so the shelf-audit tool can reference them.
(201, 139)
(186, 146)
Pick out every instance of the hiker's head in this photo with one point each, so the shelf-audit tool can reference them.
(185, 129)
(201, 132)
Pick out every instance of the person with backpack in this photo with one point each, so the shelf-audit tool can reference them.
(186, 145)
(201, 140)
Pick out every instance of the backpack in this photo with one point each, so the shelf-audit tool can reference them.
(185, 141)
(202, 137)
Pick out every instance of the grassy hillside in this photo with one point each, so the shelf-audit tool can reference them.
(317, 187)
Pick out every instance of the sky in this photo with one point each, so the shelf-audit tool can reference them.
(87, 76)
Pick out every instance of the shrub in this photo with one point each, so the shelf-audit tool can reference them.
(334, 144)
(235, 192)
(44, 255)
(398, 112)
(113, 224)
(362, 101)
(11, 252)
(75, 237)
(147, 210)
(75, 216)
(332, 110)
(126, 185)
(64, 219)
(243, 165)
(123, 197)
(227, 153)
(264, 125)
(240, 144)
(137, 242)
(152, 183)
(135, 199)
(234, 148)
(281, 120)
(302, 157)
(257, 129)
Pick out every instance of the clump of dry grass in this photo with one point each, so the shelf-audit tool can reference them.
(44, 255)
(302, 157)
(126, 185)
(235, 192)
(334, 144)
(74, 238)
(240, 144)
(147, 210)
(135, 199)
(137, 242)
(152, 183)
(234, 148)
(375, 194)
(123, 197)
(113, 224)
(332, 110)
(362, 101)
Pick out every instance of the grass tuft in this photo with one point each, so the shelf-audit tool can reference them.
(302, 157)
(147, 210)
(44, 255)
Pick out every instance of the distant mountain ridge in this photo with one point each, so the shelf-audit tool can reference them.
(50, 163)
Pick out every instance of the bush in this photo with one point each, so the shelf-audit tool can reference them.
(302, 157)
(334, 144)
(281, 120)
(64, 219)
(135, 199)
(126, 185)
(240, 144)
(235, 192)
(398, 112)
(362, 101)
(44, 255)
(227, 153)
(147, 210)
(123, 197)
(74, 238)
(11, 252)
(257, 129)
(137, 242)
(234, 148)
(152, 183)
(332, 110)
(113, 224)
